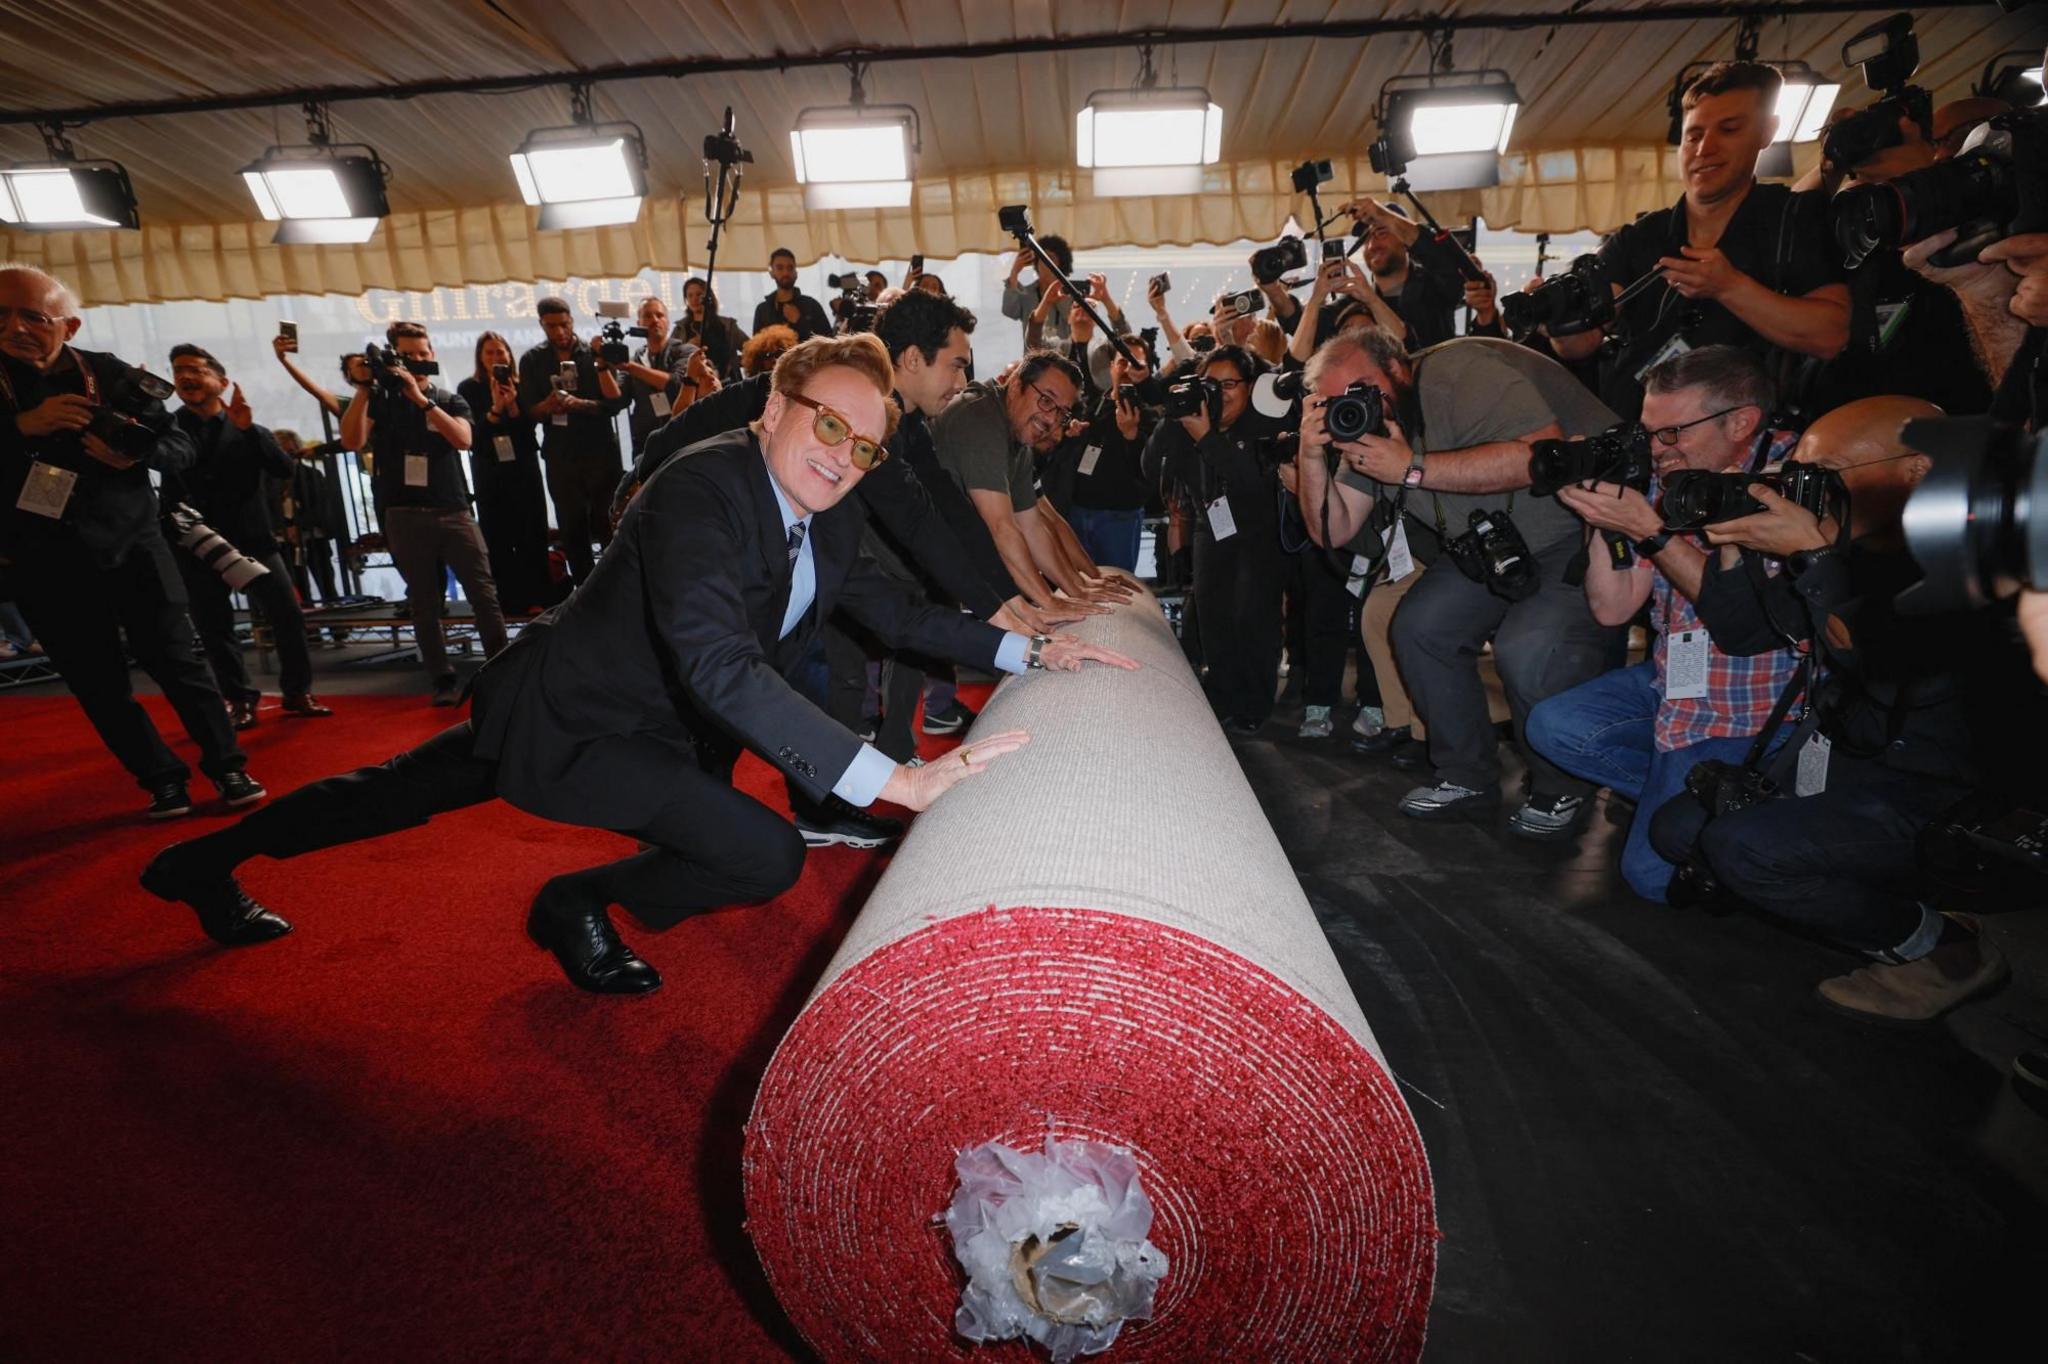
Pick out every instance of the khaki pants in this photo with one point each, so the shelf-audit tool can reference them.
(1375, 621)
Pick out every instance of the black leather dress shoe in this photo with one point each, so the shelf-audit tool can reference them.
(168, 800)
(1380, 744)
(304, 703)
(1411, 755)
(581, 936)
(835, 821)
(226, 913)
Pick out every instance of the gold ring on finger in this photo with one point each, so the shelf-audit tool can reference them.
(964, 751)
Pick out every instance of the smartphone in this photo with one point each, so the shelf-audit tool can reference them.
(502, 373)
(917, 265)
(288, 330)
(1333, 248)
(565, 377)
(1161, 282)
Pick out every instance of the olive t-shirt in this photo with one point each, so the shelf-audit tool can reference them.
(976, 447)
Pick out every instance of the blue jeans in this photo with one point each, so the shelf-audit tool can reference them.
(1605, 732)
(1109, 537)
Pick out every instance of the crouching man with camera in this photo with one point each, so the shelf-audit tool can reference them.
(1452, 452)
(416, 428)
(1639, 730)
(80, 548)
(1914, 713)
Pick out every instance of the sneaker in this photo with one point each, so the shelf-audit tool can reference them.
(242, 714)
(1922, 990)
(1369, 721)
(1546, 816)
(1448, 800)
(304, 703)
(837, 822)
(168, 800)
(951, 720)
(1315, 723)
(1381, 742)
(239, 788)
(447, 692)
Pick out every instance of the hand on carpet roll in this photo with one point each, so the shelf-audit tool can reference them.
(1109, 588)
(1066, 654)
(915, 788)
(1065, 608)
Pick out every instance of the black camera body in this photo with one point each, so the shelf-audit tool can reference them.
(1270, 263)
(129, 421)
(1889, 54)
(1978, 523)
(1388, 155)
(1720, 788)
(501, 373)
(1694, 498)
(383, 360)
(1578, 300)
(1309, 174)
(1996, 187)
(1494, 553)
(854, 307)
(1620, 454)
(1014, 219)
(612, 346)
(1194, 395)
(1360, 410)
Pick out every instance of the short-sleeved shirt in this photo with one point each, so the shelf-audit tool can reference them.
(400, 429)
(976, 447)
(1775, 236)
(1476, 390)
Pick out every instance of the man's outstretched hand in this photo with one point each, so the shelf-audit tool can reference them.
(1066, 654)
(915, 788)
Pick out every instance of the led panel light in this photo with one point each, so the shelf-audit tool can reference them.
(855, 156)
(1804, 102)
(318, 194)
(1450, 129)
(586, 175)
(1148, 141)
(62, 196)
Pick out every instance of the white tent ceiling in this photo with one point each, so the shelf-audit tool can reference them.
(996, 129)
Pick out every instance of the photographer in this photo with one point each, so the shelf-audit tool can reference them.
(415, 430)
(570, 388)
(787, 305)
(1455, 454)
(1914, 714)
(1340, 279)
(1639, 730)
(1413, 274)
(286, 344)
(704, 325)
(1020, 301)
(660, 376)
(2004, 297)
(505, 470)
(80, 549)
(1217, 454)
(228, 485)
(1109, 483)
(310, 521)
(1742, 264)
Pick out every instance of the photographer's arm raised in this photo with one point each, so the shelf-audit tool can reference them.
(355, 422)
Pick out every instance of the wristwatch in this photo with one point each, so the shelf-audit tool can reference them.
(1649, 545)
(1034, 656)
(1413, 478)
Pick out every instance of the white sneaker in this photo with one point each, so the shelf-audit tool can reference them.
(1370, 721)
(1448, 800)
(1315, 723)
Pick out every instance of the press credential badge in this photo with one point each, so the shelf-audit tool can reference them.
(47, 490)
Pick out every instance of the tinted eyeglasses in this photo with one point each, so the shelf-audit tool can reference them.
(831, 428)
(1668, 435)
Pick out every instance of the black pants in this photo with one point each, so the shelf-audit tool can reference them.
(709, 844)
(514, 521)
(1237, 588)
(582, 487)
(312, 565)
(1322, 627)
(213, 612)
(80, 611)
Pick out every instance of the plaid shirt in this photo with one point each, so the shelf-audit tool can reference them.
(1740, 691)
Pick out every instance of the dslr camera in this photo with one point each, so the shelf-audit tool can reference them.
(612, 346)
(855, 308)
(1620, 454)
(1694, 498)
(130, 421)
(385, 362)
(1270, 263)
(1494, 553)
(1996, 187)
(1720, 788)
(1360, 410)
(1889, 54)
(1578, 300)
(1978, 523)
(1193, 395)
(205, 544)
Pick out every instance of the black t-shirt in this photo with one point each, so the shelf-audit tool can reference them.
(399, 435)
(1430, 296)
(1776, 237)
(496, 471)
(1112, 478)
(1906, 336)
(577, 435)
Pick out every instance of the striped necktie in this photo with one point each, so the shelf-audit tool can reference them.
(796, 542)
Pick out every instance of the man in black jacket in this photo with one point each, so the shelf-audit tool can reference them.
(787, 305)
(80, 549)
(626, 707)
(228, 485)
(567, 386)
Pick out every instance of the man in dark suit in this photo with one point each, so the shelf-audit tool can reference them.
(625, 708)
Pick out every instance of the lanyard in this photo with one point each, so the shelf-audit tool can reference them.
(91, 381)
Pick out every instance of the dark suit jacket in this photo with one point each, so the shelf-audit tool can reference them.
(228, 483)
(669, 654)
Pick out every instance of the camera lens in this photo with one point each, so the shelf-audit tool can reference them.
(1976, 524)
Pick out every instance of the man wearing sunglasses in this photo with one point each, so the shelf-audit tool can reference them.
(1639, 730)
(626, 707)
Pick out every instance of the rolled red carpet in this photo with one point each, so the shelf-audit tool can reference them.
(1098, 939)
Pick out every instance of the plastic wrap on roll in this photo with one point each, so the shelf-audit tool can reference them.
(1100, 940)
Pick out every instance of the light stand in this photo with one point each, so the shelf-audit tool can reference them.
(1016, 220)
(724, 149)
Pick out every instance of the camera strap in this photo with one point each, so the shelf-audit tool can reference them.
(1798, 684)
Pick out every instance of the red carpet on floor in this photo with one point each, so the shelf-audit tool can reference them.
(397, 1133)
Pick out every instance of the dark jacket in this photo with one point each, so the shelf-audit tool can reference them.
(229, 480)
(585, 435)
(669, 654)
(811, 319)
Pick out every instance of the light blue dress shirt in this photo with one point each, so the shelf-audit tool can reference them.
(871, 768)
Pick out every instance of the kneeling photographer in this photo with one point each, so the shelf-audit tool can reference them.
(1208, 442)
(1452, 450)
(1914, 713)
(1639, 730)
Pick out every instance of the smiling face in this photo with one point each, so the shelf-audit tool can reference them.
(812, 474)
(1025, 404)
(495, 353)
(1711, 446)
(1723, 136)
(197, 384)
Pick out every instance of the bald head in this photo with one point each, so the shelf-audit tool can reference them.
(1861, 441)
(37, 315)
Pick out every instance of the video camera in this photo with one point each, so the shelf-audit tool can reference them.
(1694, 498)
(1889, 54)
(1996, 187)
(129, 421)
(385, 361)
(612, 347)
(1620, 454)
(856, 309)
(1494, 553)
(1978, 523)
(1575, 301)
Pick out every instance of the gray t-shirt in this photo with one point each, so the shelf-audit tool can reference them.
(1479, 389)
(975, 446)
